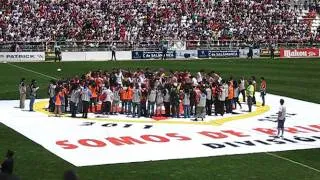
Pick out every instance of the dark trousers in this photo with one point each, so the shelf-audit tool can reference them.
(66, 102)
(272, 56)
(136, 109)
(250, 103)
(57, 57)
(263, 94)
(144, 109)
(85, 108)
(73, 109)
(254, 99)
(209, 107)
(123, 104)
(51, 105)
(167, 108)
(228, 106)
(164, 55)
(113, 55)
(220, 108)
(107, 107)
(175, 110)
(235, 101)
(243, 92)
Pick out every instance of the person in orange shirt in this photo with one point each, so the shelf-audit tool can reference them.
(263, 90)
(230, 97)
(93, 100)
(129, 95)
(58, 98)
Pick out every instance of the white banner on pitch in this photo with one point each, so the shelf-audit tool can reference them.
(95, 142)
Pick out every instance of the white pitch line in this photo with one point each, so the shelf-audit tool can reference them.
(292, 161)
(26, 69)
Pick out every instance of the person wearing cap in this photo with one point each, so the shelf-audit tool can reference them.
(33, 93)
(23, 93)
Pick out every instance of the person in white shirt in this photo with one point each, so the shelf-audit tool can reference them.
(74, 99)
(151, 101)
(119, 77)
(113, 52)
(23, 93)
(186, 103)
(242, 89)
(159, 101)
(200, 110)
(116, 100)
(136, 99)
(85, 97)
(281, 118)
(107, 101)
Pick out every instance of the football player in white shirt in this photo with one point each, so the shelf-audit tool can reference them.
(281, 118)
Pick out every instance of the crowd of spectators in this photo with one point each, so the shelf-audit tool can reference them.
(143, 20)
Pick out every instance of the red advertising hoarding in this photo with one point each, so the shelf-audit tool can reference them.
(299, 53)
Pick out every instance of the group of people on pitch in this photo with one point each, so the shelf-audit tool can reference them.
(148, 93)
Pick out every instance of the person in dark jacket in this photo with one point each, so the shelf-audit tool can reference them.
(250, 53)
(7, 164)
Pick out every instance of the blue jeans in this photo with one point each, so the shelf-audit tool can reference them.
(127, 106)
(186, 111)
(136, 109)
(151, 108)
(32, 99)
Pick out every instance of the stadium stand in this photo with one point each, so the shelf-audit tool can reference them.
(143, 20)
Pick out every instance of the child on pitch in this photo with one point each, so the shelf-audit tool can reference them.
(116, 100)
(186, 103)
(159, 101)
(58, 99)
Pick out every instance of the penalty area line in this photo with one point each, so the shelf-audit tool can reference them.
(29, 70)
(292, 161)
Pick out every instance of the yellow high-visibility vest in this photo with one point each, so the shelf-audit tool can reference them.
(250, 90)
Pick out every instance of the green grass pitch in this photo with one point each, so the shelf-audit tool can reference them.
(296, 78)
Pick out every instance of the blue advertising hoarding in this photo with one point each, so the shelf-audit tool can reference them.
(152, 54)
(217, 53)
